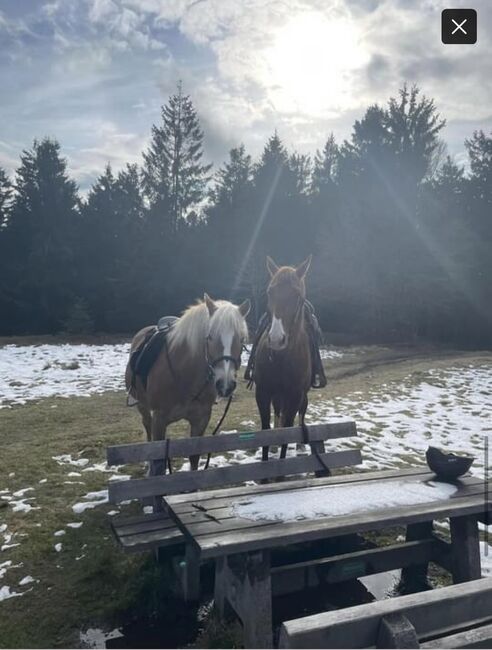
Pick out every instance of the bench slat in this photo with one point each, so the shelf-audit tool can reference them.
(478, 637)
(151, 540)
(189, 481)
(145, 531)
(357, 627)
(184, 447)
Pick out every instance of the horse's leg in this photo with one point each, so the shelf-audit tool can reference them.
(263, 401)
(277, 409)
(146, 420)
(198, 424)
(287, 419)
(158, 432)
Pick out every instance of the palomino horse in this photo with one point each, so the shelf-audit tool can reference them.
(198, 361)
(283, 359)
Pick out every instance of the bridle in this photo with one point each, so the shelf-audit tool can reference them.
(236, 361)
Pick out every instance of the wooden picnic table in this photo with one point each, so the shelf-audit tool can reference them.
(241, 547)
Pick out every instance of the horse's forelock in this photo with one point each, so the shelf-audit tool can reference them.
(288, 275)
(196, 324)
(228, 318)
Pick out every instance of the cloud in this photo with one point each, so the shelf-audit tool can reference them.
(94, 73)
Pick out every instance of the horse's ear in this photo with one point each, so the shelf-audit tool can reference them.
(244, 307)
(303, 268)
(271, 266)
(211, 306)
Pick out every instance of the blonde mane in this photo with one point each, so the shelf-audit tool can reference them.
(195, 325)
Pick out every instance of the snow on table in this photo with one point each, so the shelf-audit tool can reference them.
(334, 501)
(32, 372)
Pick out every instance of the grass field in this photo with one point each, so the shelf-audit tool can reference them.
(88, 582)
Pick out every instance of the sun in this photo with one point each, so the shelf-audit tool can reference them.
(310, 64)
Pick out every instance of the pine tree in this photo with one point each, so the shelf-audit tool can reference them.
(41, 235)
(6, 193)
(325, 166)
(174, 178)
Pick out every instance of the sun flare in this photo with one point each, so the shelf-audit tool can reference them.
(310, 64)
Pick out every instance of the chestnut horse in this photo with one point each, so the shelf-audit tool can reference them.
(283, 359)
(198, 361)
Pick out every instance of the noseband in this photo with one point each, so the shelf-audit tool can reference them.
(225, 357)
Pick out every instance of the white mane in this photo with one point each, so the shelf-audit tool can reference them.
(196, 324)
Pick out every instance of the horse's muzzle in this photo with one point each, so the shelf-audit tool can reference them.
(223, 389)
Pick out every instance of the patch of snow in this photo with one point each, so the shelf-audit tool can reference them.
(148, 510)
(66, 459)
(100, 467)
(27, 580)
(34, 372)
(75, 524)
(58, 547)
(332, 501)
(20, 493)
(449, 408)
(119, 477)
(4, 567)
(5, 593)
(59, 533)
(74, 474)
(112, 513)
(21, 505)
(96, 638)
(43, 480)
(94, 499)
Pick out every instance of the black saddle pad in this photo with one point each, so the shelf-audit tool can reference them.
(144, 357)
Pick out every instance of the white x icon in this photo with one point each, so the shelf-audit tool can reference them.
(458, 26)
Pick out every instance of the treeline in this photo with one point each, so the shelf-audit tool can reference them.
(401, 235)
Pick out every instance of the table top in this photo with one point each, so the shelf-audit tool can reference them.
(209, 519)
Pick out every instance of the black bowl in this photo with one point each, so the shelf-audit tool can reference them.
(447, 466)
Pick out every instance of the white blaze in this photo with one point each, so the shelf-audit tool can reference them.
(277, 332)
(225, 369)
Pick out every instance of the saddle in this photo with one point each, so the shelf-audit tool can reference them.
(318, 377)
(143, 358)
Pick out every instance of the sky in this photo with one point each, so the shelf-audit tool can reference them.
(94, 73)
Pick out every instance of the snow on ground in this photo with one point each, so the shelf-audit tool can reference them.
(449, 408)
(332, 501)
(96, 638)
(5, 593)
(32, 372)
(92, 500)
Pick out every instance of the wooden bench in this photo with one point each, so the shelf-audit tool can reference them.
(459, 616)
(155, 530)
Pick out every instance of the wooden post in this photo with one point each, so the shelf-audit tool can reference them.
(416, 532)
(243, 583)
(257, 602)
(396, 631)
(191, 574)
(465, 549)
